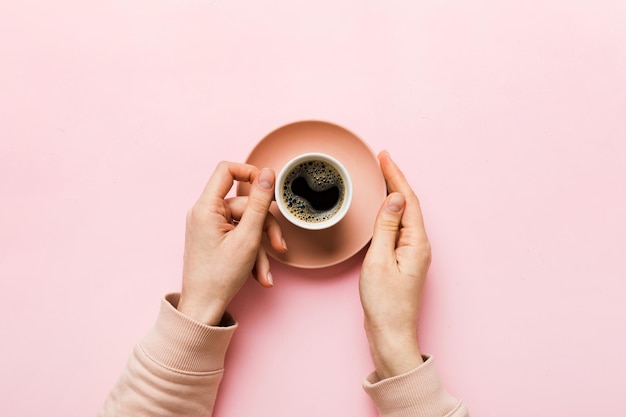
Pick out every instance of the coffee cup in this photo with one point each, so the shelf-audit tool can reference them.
(313, 191)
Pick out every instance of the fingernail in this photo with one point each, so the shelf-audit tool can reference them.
(266, 178)
(284, 243)
(270, 279)
(396, 203)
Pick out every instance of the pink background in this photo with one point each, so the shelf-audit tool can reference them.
(509, 118)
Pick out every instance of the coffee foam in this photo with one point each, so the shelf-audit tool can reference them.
(320, 176)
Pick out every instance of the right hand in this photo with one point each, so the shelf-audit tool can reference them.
(392, 277)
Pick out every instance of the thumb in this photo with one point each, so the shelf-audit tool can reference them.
(387, 224)
(259, 200)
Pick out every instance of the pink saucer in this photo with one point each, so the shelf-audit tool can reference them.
(322, 248)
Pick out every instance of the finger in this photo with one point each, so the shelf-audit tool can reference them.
(257, 208)
(222, 179)
(261, 271)
(271, 227)
(396, 182)
(387, 226)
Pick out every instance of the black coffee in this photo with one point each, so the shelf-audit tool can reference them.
(313, 191)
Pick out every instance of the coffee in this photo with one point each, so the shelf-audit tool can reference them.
(313, 191)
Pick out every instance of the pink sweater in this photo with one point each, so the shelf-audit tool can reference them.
(177, 368)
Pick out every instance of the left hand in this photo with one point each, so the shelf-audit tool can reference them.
(220, 256)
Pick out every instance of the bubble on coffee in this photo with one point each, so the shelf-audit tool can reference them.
(313, 191)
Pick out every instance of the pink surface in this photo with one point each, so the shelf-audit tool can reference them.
(509, 118)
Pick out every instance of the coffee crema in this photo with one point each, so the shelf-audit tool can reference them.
(313, 191)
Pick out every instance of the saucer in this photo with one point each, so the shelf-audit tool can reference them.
(323, 248)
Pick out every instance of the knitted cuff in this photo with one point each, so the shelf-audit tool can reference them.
(418, 392)
(184, 345)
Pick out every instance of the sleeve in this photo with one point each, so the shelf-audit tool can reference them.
(417, 393)
(175, 370)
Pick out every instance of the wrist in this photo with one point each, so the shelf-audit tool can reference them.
(394, 353)
(206, 313)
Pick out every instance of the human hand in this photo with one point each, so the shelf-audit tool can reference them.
(392, 277)
(219, 255)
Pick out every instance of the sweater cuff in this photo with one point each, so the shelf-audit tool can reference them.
(419, 390)
(184, 345)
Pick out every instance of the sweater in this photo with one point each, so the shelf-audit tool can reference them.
(177, 368)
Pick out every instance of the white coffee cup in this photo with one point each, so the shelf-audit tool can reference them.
(313, 191)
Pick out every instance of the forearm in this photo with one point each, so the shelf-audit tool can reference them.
(175, 370)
